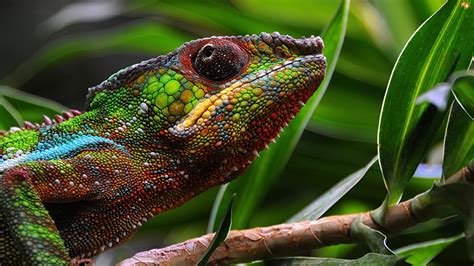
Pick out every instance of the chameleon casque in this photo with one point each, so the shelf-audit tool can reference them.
(153, 136)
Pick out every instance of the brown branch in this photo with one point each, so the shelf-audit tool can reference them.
(290, 239)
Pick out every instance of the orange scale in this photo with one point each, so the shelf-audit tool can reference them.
(187, 96)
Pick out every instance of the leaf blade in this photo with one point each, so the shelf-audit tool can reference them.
(422, 253)
(439, 46)
(463, 89)
(458, 196)
(374, 239)
(367, 259)
(459, 140)
(10, 116)
(30, 107)
(221, 234)
(319, 206)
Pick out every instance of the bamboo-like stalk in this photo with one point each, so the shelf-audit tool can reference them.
(292, 239)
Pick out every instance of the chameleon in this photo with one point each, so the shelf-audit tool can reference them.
(152, 136)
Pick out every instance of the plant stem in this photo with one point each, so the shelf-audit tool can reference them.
(293, 239)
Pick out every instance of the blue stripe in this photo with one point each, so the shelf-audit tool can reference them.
(70, 148)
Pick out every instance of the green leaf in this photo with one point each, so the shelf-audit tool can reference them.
(148, 37)
(318, 207)
(406, 130)
(367, 259)
(458, 195)
(374, 239)
(220, 235)
(252, 186)
(422, 253)
(17, 106)
(463, 89)
(10, 117)
(458, 141)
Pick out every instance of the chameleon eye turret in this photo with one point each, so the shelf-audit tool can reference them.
(244, 113)
(153, 136)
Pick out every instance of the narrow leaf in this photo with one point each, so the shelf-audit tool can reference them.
(422, 253)
(17, 106)
(458, 196)
(406, 130)
(318, 207)
(459, 140)
(220, 235)
(9, 116)
(29, 107)
(463, 90)
(374, 239)
(367, 259)
(252, 186)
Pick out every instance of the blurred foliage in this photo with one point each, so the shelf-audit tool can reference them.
(340, 136)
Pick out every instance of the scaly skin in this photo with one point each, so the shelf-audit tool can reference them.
(154, 135)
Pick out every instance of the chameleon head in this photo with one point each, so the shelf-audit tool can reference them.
(217, 97)
(254, 85)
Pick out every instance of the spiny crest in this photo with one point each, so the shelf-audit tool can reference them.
(47, 121)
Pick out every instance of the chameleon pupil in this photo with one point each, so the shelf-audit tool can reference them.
(208, 51)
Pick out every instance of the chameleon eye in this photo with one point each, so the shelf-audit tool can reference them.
(219, 61)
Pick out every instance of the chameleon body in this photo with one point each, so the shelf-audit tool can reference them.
(153, 136)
